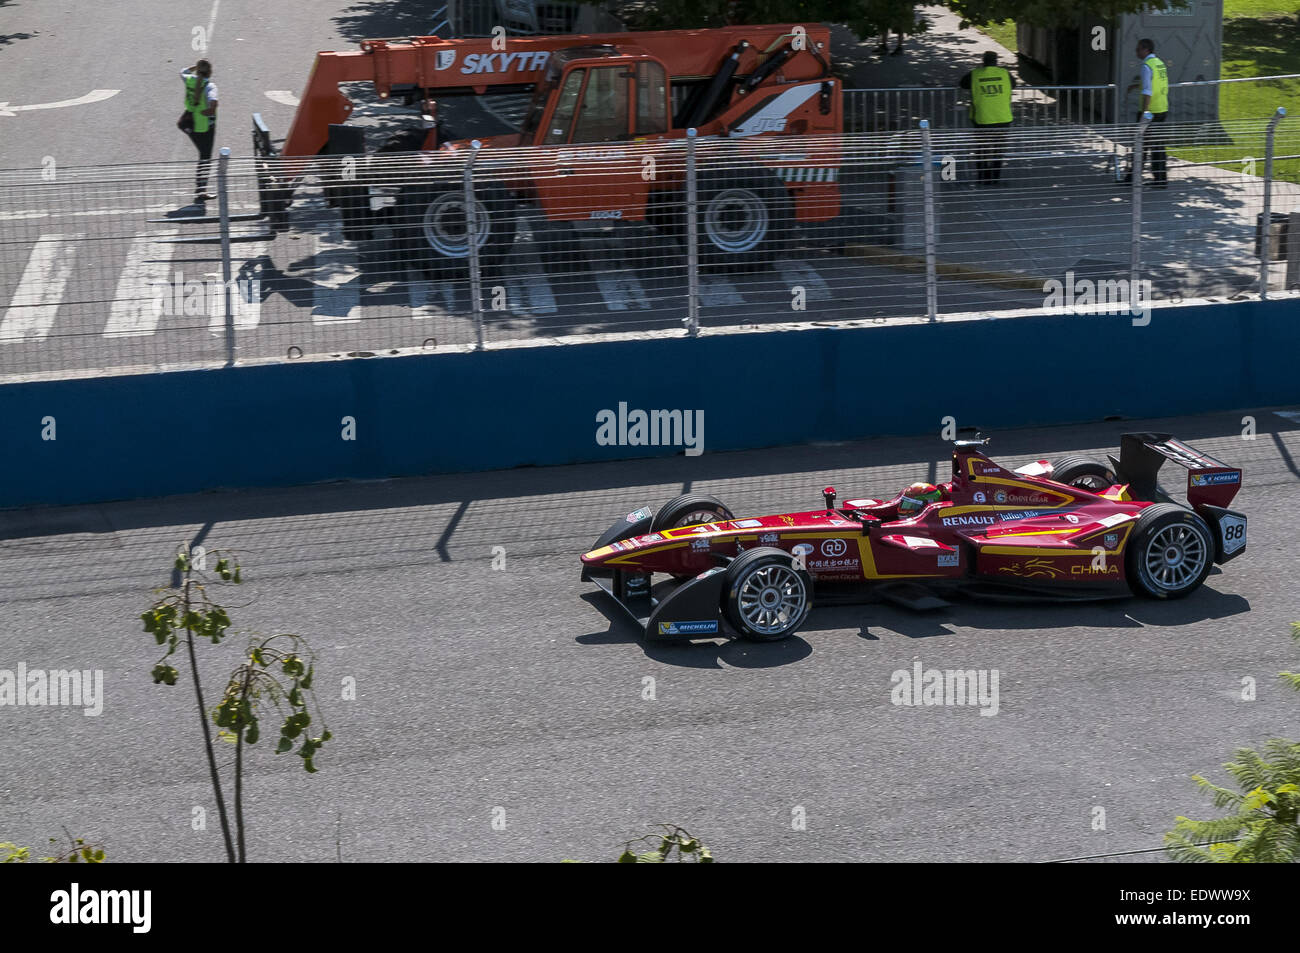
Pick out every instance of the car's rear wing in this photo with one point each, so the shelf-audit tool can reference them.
(1209, 481)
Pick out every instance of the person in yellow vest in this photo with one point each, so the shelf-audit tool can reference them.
(200, 121)
(1155, 98)
(990, 88)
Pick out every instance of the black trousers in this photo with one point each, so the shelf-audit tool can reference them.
(989, 152)
(203, 142)
(1153, 150)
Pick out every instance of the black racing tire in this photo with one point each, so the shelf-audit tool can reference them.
(1083, 473)
(1169, 553)
(745, 219)
(766, 597)
(682, 510)
(430, 225)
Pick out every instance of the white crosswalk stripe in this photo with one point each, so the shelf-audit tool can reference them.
(140, 299)
(614, 277)
(36, 299)
(332, 269)
(801, 274)
(718, 293)
(429, 299)
(247, 289)
(528, 290)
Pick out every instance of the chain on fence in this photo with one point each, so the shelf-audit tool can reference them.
(116, 269)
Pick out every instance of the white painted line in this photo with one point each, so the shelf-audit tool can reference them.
(618, 285)
(798, 273)
(30, 214)
(336, 284)
(137, 302)
(429, 300)
(94, 96)
(528, 291)
(35, 301)
(718, 293)
(246, 292)
(285, 97)
(212, 26)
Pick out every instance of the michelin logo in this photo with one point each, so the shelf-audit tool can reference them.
(1214, 479)
(704, 627)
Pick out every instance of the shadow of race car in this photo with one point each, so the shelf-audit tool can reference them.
(1070, 529)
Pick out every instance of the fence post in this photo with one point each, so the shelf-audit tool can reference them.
(1266, 217)
(223, 212)
(471, 244)
(692, 241)
(927, 190)
(1135, 237)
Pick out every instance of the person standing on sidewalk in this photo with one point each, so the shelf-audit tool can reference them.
(1155, 99)
(199, 121)
(990, 88)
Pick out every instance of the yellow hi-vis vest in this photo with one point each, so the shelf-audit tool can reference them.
(990, 95)
(1159, 85)
(196, 101)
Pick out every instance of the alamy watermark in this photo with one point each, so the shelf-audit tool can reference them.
(203, 298)
(37, 687)
(949, 688)
(1100, 296)
(651, 428)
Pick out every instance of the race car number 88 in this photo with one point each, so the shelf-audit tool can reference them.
(1233, 530)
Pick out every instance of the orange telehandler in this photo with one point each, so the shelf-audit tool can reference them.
(600, 104)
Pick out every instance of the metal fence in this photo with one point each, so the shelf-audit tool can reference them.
(113, 269)
(877, 110)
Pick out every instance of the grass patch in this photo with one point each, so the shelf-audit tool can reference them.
(1004, 33)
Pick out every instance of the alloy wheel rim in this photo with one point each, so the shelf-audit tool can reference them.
(1175, 557)
(771, 599)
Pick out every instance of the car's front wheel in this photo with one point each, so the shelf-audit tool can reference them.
(1169, 553)
(766, 597)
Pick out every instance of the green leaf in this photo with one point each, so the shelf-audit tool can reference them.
(284, 745)
(627, 857)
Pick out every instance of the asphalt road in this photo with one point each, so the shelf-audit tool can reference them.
(518, 689)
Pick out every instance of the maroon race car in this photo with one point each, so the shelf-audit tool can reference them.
(1071, 529)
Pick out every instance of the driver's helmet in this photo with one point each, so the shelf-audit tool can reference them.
(916, 497)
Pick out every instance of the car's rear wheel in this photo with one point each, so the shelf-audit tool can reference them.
(767, 597)
(1169, 553)
(1083, 473)
(688, 510)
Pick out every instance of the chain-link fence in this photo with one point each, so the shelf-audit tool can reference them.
(114, 268)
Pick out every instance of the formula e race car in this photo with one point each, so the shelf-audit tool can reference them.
(1069, 529)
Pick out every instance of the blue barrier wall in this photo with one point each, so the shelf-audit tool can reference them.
(157, 434)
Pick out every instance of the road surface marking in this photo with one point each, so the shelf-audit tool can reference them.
(618, 285)
(136, 302)
(429, 300)
(800, 273)
(247, 292)
(718, 293)
(94, 96)
(528, 290)
(36, 300)
(284, 97)
(336, 284)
